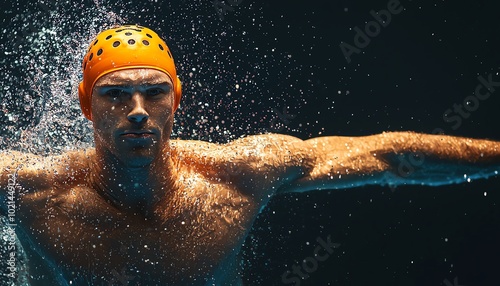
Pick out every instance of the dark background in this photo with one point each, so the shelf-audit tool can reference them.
(426, 60)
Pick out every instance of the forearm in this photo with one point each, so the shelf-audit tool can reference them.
(438, 159)
(397, 158)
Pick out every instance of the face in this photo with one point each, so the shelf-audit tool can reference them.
(132, 113)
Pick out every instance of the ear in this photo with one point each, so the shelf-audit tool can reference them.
(177, 93)
(85, 101)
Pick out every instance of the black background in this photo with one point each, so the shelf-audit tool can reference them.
(427, 59)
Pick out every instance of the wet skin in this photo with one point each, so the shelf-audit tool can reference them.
(147, 210)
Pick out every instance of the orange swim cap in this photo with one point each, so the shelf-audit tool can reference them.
(125, 47)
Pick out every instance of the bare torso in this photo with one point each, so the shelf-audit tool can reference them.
(80, 231)
(193, 238)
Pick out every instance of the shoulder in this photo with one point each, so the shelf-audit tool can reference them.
(273, 147)
(246, 141)
(252, 162)
(40, 172)
(280, 151)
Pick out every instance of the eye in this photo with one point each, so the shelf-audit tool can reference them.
(154, 91)
(115, 93)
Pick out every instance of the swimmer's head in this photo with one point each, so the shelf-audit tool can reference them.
(125, 47)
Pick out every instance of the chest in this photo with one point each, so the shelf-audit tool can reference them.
(189, 239)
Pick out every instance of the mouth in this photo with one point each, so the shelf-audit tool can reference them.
(143, 134)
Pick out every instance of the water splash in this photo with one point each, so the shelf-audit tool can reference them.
(39, 99)
(226, 72)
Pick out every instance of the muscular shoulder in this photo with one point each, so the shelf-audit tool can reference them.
(246, 147)
(277, 151)
(36, 172)
(252, 162)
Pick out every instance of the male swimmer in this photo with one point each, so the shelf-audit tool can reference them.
(147, 210)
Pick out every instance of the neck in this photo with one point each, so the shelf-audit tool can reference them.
(137, 190)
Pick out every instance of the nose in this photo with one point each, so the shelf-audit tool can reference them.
(138, 114)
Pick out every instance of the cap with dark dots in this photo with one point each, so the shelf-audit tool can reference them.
(125, 47)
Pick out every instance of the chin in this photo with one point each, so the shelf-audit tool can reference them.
(137, 161)
(137, 157)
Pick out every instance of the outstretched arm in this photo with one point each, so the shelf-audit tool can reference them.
(396, 158)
